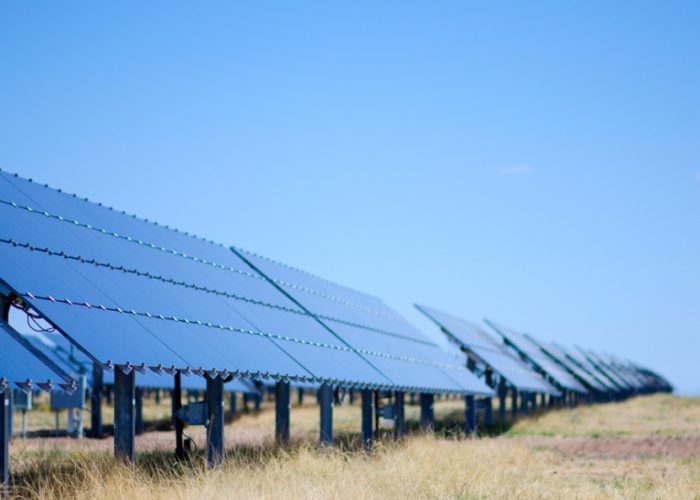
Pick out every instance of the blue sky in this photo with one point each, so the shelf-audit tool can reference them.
(533, 162)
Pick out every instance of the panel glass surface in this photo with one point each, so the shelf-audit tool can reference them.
(561, 358)
(367, 325)
(530, 350)
(587, 366)
(21, 367)
(128, 291)
(603, 366)
(470, 337)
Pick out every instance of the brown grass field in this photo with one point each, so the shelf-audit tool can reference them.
(647, 447)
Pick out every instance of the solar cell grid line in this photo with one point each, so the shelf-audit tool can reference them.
(372, 328)
(559, 357)
(473, 339)
(587, 366)
(532, 352)
(159, 298)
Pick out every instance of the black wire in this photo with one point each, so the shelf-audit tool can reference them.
(33, 319)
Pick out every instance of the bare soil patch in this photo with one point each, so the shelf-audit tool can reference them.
(619, 447)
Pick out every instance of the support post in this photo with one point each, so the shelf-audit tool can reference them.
(367, 419)
(4, 442)
(96, 401)
(233, 405)
(300, 396)
(488, 412)
(524, 400)
(139, 411)
(470, 415)
(427, 412)
(325, 394)
(533, 398)
(514, 403)
(215, 417)
(177, 423)
(282, 410)
(502, 390)
(124, 414)
(399, 414)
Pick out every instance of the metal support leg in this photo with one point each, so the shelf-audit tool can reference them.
(282, 410)
(177, 423)
(139, 411)
(524, 400)
(399, 414)
(533, 398)
(513, 403)
(215, 414)
(233, 404)
(367, 419)
(325, 394)
(470, 415)
(124, 414)
(4, 442)
(300, 396)
(502, 402)
(96, 401)
(488, 413)
(427, 412)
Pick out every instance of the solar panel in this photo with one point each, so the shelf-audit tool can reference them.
(603, 366)
(472, 338)
(604, 373)
(560, 357)
(73, 361)
(22, 365)
(130, 292)
(373, 329)
(575, 357)
(532, 352)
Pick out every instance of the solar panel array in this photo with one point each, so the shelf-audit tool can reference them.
(475, 340)
(531, 351)
(560, 357)
(582, 362)
(371, 328)
(618, 378)
(130, 292)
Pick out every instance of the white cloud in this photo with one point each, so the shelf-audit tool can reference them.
(519, 169)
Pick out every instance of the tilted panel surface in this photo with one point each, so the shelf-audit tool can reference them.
(531, 351)
(618, 384)
(559, 357)
(617, 377)
(620, 370)
(373, 329)
(128, 291)
(583, 363)
(21, 366)
(471, 337)
(74, 361)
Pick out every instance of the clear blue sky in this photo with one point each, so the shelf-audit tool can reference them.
(533, 162)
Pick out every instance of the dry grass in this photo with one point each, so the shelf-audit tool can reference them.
(531, 460)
